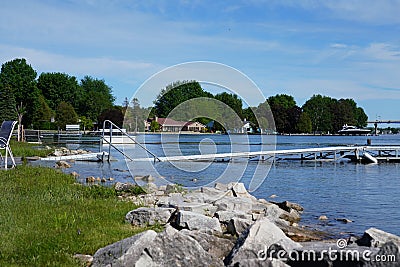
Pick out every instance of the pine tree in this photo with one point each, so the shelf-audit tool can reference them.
(7, 104)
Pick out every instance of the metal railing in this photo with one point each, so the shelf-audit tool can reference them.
(109, 142)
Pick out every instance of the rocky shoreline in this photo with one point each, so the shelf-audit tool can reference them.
(224, 225)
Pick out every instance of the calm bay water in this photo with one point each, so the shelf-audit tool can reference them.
(366, 194)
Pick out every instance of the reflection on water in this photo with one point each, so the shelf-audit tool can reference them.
(366, 194)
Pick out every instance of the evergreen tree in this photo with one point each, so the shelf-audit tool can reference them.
(7, 104)
(65, 115)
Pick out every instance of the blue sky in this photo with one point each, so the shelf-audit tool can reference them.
(341, 48)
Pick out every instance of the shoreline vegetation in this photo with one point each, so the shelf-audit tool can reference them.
(48, 219)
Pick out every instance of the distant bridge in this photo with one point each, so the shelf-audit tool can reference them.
(376, 122)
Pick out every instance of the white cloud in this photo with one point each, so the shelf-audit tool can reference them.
(44, 61)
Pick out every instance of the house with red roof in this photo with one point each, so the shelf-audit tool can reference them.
(170, 125)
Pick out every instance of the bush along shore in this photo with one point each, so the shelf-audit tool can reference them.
(226, 226)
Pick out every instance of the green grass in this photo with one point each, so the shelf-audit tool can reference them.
(21, 149)
(46, 218)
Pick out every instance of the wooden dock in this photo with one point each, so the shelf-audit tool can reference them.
(355, 153)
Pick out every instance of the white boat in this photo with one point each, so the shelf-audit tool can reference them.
(117, 136)
(353, 130)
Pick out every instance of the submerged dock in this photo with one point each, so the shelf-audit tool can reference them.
(362, 154)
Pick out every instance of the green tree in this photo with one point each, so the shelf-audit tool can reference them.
(114, 114)
(175, 94)
(66, 115)
(283, 100)
(343, 112)
(57, 87)
(304, 124)
(286, 112)
(135, 115)
(43, 115)
(361, 117)
(154, 126)
(97, 97)
(86, 123)
(233, 101)
(265, 117)
(20, 77)
(318, 108)
(7, 104)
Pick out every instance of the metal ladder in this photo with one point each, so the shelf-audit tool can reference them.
(103, 139)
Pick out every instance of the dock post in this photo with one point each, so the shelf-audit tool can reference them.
(356, 152)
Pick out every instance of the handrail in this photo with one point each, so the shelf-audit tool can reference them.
(127, 135)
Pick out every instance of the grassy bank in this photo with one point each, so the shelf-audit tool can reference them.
(21, 149)
(46, 218)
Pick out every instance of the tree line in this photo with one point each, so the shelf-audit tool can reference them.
(319, 114)
(51, 100)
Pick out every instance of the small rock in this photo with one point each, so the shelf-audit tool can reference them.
(148, 178)
(98, 179)
(343, 220)
(75, 174)
(85, 259)
(111, 179)
(90, 179)
(122, 187)
(323, 218)
(103, 180)
(62, 164)
(273, 196)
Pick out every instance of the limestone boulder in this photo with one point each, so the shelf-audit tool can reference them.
(376, 238)
(125, 252)
(237, 226)
(173, 248)
(257, 240)
(225, 216)
(234, 204)
(196, 221)
(216, 246)
(148, 216)
(388, 255)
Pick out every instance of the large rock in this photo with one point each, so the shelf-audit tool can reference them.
(172, 248)
(225, 216)
(201, 208)
(195, 221)
(148, 216)
(216, 246)
(237, 226)
(234, 204)
(288, 206)
(125, 252)
(375, 238)
(239, 190)
(387, 256)
(174, 200)
(258, 239)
